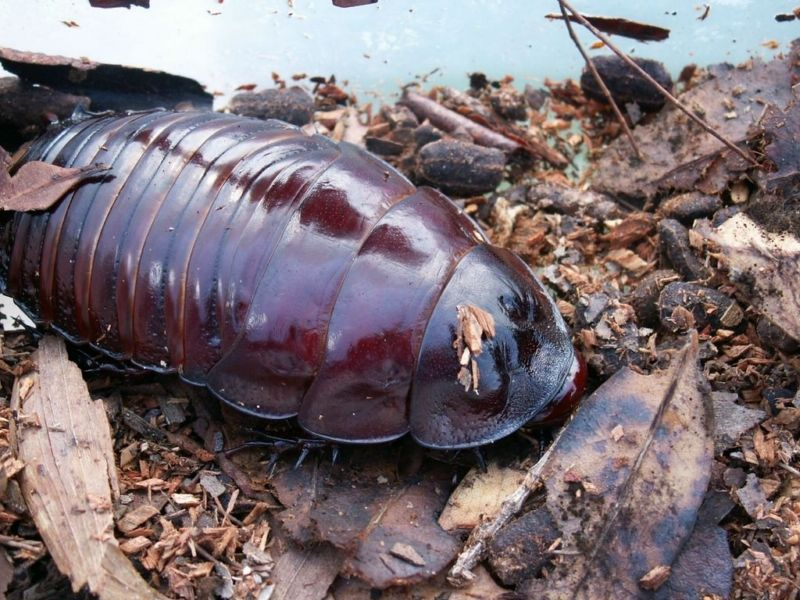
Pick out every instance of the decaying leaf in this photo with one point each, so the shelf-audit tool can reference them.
(623, 504)
(38, 185)
(625, 507)
(781, 129)
(678, 155)
(765, 266)
(407, 520)
(383, 527)
(69, 476)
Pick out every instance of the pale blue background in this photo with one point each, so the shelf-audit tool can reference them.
(251, 38)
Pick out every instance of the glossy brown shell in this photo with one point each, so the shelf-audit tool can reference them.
(289, 274)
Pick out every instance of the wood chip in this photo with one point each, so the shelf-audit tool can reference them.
(655, 577)
(137, 517)
(69, 466)
(407, 553)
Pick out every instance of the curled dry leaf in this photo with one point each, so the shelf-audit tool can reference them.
(765, 266)
(626, 507)
(69, 476)
(38, 185)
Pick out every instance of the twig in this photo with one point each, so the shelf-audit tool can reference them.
(475, 548)
(672, 99)
(450, 121)
(601, 83)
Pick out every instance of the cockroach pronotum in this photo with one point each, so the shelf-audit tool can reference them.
(292, 276)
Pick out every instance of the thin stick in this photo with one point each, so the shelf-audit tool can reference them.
(672, 99)
(601, 83)
(461, 573)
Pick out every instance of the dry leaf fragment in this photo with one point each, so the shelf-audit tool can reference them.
(764, 265)
(479, 495)
(636, 30)
(38, 185)
(69, 470)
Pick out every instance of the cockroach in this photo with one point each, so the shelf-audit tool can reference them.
(291, 276)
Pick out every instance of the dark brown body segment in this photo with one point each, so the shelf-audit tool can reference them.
(290, 275)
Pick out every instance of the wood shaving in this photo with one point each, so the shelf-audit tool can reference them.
(473, 325)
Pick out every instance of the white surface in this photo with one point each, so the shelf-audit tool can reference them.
(382, 46)
(11, 315)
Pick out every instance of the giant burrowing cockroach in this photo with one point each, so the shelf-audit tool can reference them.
(291, 276)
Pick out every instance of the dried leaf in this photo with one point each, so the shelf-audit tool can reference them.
(479, 495)
(704, 566)
(70, 474)
(679, 156)
(408, 519)
(362, 509)
(351, 3)
(38, 185)
(642, 496)
(622, 27)
(765, 266)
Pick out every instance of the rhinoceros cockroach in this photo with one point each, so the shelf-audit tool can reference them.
(291, 276)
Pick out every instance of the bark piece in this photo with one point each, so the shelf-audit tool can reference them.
(644, 298)
(520, 549)
(27, 110)
(690, 206)
(110, 87)
(706, 305)
(731, 420)
(764, 265)
(69, 475)
(305, 573)
(673, 240)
